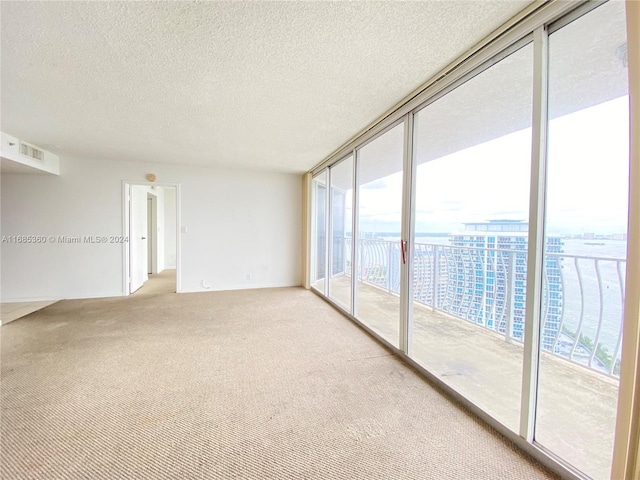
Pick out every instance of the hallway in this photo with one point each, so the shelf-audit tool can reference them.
(163, 282)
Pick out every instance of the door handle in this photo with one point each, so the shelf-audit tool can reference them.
(403, 250)
(144, 238)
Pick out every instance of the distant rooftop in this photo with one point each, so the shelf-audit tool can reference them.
(498, 226)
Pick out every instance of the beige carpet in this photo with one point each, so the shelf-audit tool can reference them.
(163, 282)
(244, 384)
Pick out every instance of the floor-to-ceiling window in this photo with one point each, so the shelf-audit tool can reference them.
(379, 227)
(341, 232)
(473, 154)
(318, 231)
(585, 239)
(537, 349)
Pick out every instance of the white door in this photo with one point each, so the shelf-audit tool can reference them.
(138, 259)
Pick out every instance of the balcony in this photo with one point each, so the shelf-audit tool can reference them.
(469, 332)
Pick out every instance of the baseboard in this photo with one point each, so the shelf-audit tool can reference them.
(243, 287)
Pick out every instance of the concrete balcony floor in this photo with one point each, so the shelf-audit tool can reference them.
(576, 407)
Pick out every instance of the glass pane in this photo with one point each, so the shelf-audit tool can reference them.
(473, 154)
(318, 230)
(341, 215)
(585, 248)
(379, 219)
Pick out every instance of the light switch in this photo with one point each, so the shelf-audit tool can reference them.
(183, 229)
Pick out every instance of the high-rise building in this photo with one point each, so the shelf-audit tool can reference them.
(480, 276)
(487, 267)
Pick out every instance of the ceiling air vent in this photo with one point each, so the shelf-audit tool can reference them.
(31, 152)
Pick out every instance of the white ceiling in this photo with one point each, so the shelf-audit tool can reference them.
(258, 85)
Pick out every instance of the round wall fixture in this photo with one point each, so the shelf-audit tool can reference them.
(151, 177)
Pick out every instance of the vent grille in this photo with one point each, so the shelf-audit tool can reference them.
(31, 152)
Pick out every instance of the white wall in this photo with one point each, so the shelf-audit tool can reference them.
(239, 224)
(170, 227)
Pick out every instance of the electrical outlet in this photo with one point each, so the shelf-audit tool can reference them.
(248, 276)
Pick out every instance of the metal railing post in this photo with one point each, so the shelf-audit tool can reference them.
(596, 340)
(436, 278)
(389, 247)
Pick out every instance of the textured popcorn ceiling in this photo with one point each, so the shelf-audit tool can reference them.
(260, 85)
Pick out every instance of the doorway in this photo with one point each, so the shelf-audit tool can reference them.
(150, 218)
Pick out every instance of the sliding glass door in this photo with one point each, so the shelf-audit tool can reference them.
(585, 239)
(379, 230)
(318, 231)
(470, 242)
(341, 232)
